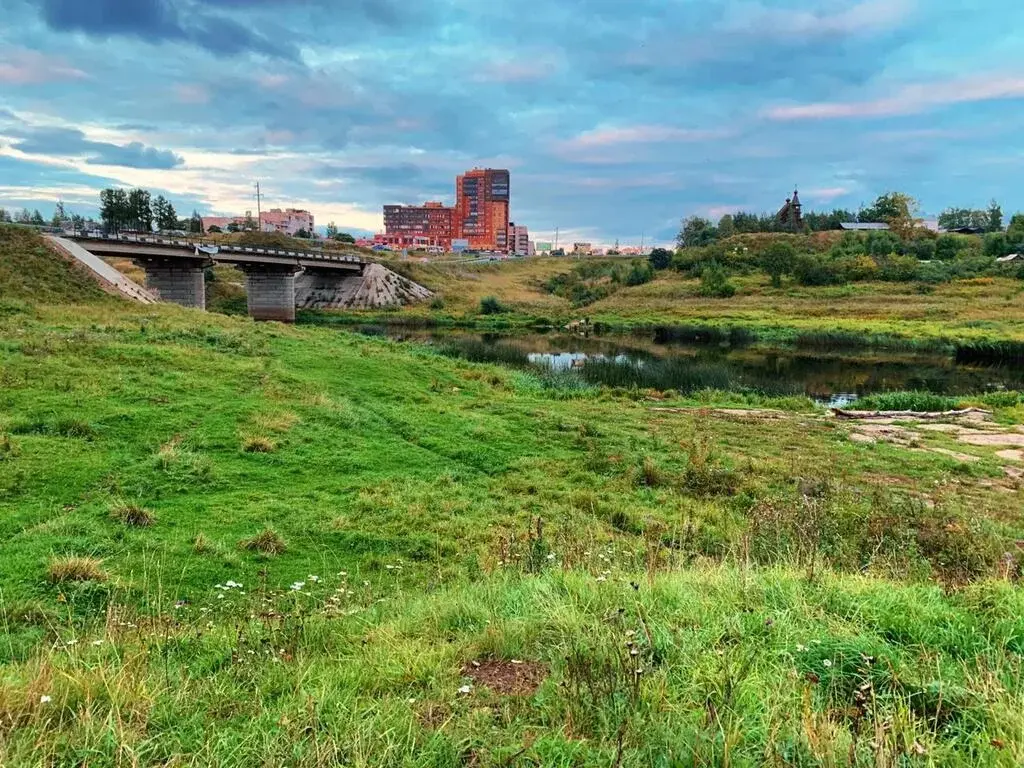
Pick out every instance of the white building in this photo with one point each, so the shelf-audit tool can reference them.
(289, 221)
(518, 239)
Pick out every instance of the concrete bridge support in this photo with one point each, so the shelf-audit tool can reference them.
(178, 280)
(271, 291)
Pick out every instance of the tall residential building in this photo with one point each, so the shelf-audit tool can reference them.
(411, 224)
(482, 208)
(518, 239)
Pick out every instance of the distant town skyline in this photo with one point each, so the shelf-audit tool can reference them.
(616, 119)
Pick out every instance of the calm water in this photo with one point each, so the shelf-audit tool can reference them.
(834, 377)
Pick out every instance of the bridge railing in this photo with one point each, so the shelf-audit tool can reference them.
(201, 243)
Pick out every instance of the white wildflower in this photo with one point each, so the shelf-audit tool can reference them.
(313, 577)
(800, 648)
(297, 586)
(465, 689)
(97, 642)
(827, 662)
(45, 699)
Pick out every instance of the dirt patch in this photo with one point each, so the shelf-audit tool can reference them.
(964, 457)
(508, 678)
(730, 413)
(991, 439)
(433, 715)
(885, 433)
(1011, 455)
(949, 428)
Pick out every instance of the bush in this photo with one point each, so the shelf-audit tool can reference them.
(811, 269)
(489, 305)
(639, 274)
(660, 258)
(714, 282)
(777, 260)
(437, 303)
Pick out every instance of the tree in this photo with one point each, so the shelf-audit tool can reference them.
(303, 234)
(660, 258)
(726, 226)
(345, 237)
(332, 231)
(164, 214)
(896, 209)
(995, 217)
(37, 218)
(59, 216)
(233, 226)
(778, 260)
(23, 216)
(140, 210)
(195, 224)
(250, 222)
(4, 216)
(214, 229)
(696, 232)
(114, 209)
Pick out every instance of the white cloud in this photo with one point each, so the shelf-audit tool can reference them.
(908, 100)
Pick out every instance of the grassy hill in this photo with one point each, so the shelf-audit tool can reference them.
(29, 271)
(230, 543)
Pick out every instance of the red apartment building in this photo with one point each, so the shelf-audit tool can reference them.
(481, 208)
(480, 216)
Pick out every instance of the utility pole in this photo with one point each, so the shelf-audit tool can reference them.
(642, 234)
(259, 213)
(556, 238)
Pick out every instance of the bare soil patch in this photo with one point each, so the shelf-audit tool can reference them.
(508, 678)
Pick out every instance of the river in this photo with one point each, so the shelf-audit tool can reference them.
(834, 377)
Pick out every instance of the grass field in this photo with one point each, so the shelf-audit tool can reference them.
(236, 544)
(964, 310)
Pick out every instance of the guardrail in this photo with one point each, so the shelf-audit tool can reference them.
(192, 244)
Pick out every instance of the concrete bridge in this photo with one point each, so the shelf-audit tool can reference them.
(175, 270)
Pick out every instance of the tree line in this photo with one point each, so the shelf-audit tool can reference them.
(138, 210)
(896, 209)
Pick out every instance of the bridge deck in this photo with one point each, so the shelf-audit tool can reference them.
(238, 254)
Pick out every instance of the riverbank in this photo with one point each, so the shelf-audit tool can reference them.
(236, 543)
(967, 313)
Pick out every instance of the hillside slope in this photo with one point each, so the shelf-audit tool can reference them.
(30, 271)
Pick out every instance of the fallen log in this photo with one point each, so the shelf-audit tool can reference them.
(920, 415)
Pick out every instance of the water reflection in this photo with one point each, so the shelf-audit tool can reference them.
(648, 360)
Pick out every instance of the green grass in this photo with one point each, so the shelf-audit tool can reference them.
(323, 602)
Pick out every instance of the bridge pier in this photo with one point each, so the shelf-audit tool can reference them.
(181, 281)
(271, 291)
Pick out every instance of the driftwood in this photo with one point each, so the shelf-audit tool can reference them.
(920, 415)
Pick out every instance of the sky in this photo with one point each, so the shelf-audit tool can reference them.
(616, 118)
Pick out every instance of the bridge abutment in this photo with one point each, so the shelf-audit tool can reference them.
(179, 281)
(271, 291)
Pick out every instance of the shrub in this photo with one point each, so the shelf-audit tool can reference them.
(268, 541)
(777, 260)
(489, 305)
(639, 274)
(660, 258)
(71, 568)
(130, 514)
(812, 269)
(437, 303)
(714, 282)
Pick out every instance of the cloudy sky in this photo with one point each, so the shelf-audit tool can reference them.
(615, 117)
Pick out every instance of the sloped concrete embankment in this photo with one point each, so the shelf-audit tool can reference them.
(377, 287)
(105, 275)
